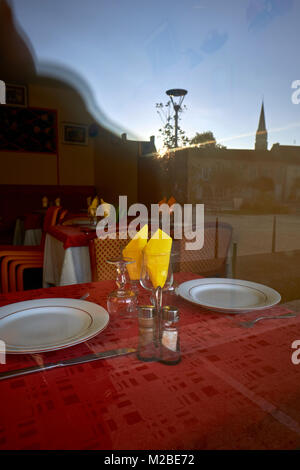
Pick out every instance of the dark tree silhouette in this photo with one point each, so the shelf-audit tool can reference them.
(205, 139)
(167, 131)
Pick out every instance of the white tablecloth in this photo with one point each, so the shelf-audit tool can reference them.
(33, 236)
(30, 237)
(19, 233)
(64, 267)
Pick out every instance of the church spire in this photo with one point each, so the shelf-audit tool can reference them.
(261, 142)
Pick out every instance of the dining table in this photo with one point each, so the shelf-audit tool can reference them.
(234, 388)
(66, 255)
(28, 229)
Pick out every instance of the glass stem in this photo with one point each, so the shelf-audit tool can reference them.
(121, 276)
(158, 305)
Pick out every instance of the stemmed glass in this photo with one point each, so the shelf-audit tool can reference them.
(123, 300)
(93, 218)
(156, 277)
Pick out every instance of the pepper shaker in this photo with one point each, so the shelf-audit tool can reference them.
(147, 320)
(169, 341)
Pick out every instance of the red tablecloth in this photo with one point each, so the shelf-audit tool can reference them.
(74, 235)
(71, 235)
(33, 221)
(235, 388)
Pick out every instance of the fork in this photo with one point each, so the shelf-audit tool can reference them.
(249, 324)
(85, 296)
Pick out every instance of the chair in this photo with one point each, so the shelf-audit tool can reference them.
(61, 217)
(100, 251)
(211, 259)
(16, 271)
(29, 256)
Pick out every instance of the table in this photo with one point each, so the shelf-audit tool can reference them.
(235, 388)
(28, 232)
(66, 256)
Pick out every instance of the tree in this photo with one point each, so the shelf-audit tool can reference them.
(206, 139)
(167, 131)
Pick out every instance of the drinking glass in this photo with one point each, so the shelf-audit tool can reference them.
(157, 277)
(134, 271)
(156, 271)
(123, 300)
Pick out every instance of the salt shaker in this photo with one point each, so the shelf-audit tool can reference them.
(170, 345)
(147, 350)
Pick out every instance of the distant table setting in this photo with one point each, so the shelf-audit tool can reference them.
(66, 255)
(152, 360)
(28, 232)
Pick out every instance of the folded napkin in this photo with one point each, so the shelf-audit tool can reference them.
(95, 203)
(171, 201)
(93, 207)
(134, 250)
(106, 208)
(163, 201)
(45, 201)
(157, 256)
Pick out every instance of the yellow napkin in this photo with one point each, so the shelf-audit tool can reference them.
(45, 201)
(134, 250)
(163, 201)
(95, 203)
(157, 253)
(93, 207)
(106, 208)
(171, 201)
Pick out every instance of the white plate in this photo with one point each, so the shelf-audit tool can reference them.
(228, 295)
(42, 325)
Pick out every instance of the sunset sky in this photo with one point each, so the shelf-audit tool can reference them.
(228, 55)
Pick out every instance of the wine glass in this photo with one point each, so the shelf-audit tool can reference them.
(123, 300)
(134, 270)
(156, 271)
(156, 277)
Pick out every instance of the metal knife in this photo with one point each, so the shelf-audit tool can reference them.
(68, 362)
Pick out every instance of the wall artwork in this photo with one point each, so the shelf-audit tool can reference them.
(28, 129)
(16, 95)
(76, 134)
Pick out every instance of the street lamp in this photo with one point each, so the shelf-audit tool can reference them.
(177, 96)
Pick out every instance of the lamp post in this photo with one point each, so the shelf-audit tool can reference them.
(177, 96)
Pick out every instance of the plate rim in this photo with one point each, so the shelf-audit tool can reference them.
(233, 310)
(56, 300)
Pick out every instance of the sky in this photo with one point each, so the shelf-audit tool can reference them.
(227, 55)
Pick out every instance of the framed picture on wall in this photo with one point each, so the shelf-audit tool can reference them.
(16, 95)
(25, 129)
(75, 134)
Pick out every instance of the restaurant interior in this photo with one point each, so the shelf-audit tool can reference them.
(156, 342)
